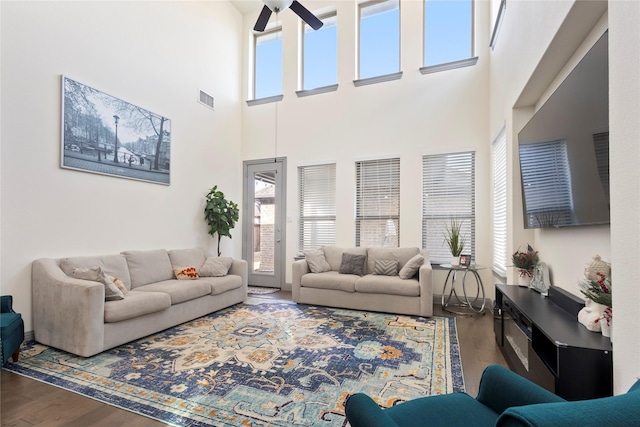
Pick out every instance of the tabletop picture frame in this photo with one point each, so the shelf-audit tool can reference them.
(465, 260)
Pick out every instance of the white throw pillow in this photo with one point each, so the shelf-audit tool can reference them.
(411, 267)
(316, 260)
(216, 266)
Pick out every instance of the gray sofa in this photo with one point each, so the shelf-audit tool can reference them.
(72, 314)
(371, 292)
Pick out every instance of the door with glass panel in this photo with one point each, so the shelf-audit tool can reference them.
(264, 233)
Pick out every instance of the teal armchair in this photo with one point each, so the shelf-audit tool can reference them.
(505, 399)
(11, 330)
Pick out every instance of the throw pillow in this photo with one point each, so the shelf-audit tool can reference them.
(185, 273)
(316, 260)
(411, 267)
(119, 283)
(386, 267)
(353, 264)
(216, 266)
(95, 274)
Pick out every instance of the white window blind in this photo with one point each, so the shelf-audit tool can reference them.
(546, 181)
(317, 203)
(500, 204)
(448, 193)
(378, 202)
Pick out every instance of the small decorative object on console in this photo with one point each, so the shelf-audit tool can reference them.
(596, 287)
(540, 281)
(465, 260)
(525, 262)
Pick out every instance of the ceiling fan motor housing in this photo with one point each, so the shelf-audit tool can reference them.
(278, 6)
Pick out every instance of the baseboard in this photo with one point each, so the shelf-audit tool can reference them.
(286, 287)
(29, 336)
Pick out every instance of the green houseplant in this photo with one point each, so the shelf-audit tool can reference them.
(221, 214)
(454, 239)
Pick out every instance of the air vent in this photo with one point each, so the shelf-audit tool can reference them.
(206, 99)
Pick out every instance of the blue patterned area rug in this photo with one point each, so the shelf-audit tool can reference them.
(263, 363)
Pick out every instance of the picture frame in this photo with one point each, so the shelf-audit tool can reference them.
(465, 260)
(540, 281)
(106, 135)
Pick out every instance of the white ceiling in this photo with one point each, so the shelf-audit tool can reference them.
(247, 6)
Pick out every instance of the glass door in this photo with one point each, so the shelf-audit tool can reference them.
(263, 236)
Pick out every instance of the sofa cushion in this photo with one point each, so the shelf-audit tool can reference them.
(185, 273)
(222, 284)
(402, 255)
(95, 274)
(353, 264)
(216, 266)
(148, 266)
(113, 265)
(316, 260)
(333, 255)
(386, 267)
(136, 304)
(411, 267)
(179, 290)
(330, 280)
(373, 284)
(186, 257)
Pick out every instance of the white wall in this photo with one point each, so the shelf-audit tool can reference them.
(153, 54)
(416, 115)
(624, 113)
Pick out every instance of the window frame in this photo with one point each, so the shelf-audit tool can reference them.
(450, 65)
(361, 81)
(256, 36)
(304, 25)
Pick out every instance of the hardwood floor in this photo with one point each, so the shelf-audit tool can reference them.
(25, 402)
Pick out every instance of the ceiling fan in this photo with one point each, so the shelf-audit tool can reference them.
(278, 6)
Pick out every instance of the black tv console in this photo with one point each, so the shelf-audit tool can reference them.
(542, 340)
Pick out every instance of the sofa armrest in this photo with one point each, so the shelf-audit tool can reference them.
(425, 275)
(68, 313)
(239, 268)
(362, 411)
(298, 269)
(501, 389)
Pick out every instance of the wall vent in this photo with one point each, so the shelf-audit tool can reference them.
(206, 99)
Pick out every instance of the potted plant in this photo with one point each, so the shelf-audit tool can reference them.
(221, 214)
(454, 239)
(525, 262)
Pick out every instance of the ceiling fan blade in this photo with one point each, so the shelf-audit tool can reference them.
(306, 16)
(263, 19)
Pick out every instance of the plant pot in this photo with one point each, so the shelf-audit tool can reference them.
(455, 261)
(524, 277)
(606, 327)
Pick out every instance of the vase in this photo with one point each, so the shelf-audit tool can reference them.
(455, 261)
(524, 277)
(606, 327)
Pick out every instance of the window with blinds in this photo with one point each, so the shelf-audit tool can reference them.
(499, 161)
(378, 203)
(546, 182)
(448, 193)
(317, 203)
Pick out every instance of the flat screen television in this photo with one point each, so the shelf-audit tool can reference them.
(564, 149)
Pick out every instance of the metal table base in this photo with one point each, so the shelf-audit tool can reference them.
(465, 305)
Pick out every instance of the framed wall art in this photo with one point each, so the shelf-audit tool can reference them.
(105, 135)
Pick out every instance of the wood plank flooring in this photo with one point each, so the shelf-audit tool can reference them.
(25, 402)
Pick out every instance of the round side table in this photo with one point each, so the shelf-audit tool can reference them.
(468, 304)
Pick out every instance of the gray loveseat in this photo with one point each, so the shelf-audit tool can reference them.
(72, 314)
(372, 292)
